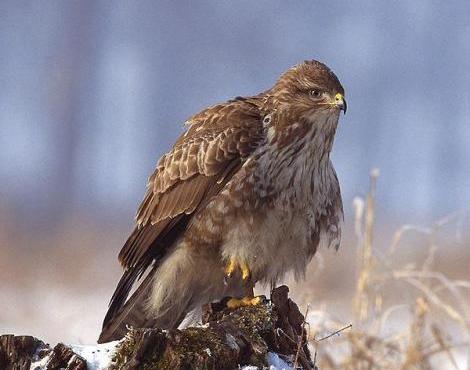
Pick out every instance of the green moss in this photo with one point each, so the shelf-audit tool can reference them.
(196, 347)
(205, 347)
(256, 319)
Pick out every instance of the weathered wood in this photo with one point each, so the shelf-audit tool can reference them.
(292, 337)
(227, 340)
(18, 352)
(62, 357)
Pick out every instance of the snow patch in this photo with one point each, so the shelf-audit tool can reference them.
(98, 356)
(39, 364)
(274, 362)
(277, 363)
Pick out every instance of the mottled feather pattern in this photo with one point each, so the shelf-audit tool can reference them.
(210, 144)
(218, 139)
(250, 180)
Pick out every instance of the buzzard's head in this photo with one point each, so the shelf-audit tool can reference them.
(309, 90)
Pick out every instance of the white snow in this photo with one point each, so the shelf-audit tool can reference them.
(274, 363)
(39, 364)
(97, 356)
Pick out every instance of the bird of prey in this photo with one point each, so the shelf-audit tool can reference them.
(247, 193)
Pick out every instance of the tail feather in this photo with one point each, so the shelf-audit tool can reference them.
(135, 313)
(131, 314)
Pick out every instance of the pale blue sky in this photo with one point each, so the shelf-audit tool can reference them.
(93, 92)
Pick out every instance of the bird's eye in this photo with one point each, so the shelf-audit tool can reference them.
(316, 93)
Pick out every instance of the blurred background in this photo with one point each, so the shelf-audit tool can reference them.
(93, 92)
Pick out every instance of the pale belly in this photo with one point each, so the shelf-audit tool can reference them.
(272, 244)
(282, 235)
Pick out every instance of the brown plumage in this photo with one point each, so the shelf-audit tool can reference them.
(250, 181)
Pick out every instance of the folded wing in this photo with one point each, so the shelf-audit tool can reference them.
(199, 165)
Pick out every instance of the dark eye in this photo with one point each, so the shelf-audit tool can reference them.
(315, 93)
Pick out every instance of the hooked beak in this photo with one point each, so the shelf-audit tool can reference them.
(340, 102)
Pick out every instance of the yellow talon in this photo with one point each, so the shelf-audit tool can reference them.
(233, 264)
(256, 300)
(245, 301)
(245, 271)
(230, 267)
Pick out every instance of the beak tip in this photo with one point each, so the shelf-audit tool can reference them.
(341, 102)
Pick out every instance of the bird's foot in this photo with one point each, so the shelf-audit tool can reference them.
(233, 303)
(232, 266)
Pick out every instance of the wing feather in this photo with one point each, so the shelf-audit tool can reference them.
(216, 142)
(199, 165)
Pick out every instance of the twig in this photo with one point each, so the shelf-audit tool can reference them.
(335, 333)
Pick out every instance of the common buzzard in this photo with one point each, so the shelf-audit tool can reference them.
(245, 195)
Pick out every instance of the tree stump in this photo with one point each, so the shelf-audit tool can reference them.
(227, 339)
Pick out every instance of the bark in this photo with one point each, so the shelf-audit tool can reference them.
(18, 352)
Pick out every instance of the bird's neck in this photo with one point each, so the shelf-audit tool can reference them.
(312, 137)
(298, 160)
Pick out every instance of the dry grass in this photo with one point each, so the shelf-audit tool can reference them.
(405, 309)
(426, 326)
